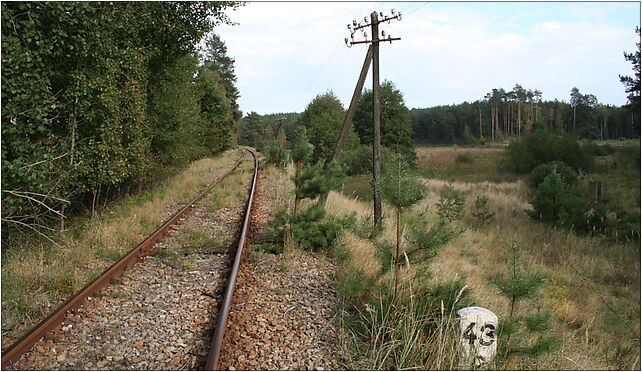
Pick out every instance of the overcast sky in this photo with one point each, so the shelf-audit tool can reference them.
(288, 52)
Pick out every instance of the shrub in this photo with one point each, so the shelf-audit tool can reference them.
(626, 225)
(551, 196)
(451, 204)
(537, 175)
(359, 160)
(481, 211)
(365, 229)
(465, 157)
(311, 229)
(275, 155)
(541, 146)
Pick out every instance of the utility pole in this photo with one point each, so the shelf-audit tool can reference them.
(376, 140)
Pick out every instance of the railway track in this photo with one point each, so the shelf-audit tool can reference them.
(161, 313)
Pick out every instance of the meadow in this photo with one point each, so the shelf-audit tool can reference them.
(592, 285)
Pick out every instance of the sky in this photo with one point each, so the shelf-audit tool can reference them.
(287, 53)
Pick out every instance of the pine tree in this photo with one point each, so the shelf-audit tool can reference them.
(401, 189)
(517, 284)
(480, 210)
(301, 153)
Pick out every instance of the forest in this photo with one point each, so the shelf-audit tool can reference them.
(98, 96)
(504, 114)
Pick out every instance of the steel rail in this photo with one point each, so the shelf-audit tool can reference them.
(15, 351)
(211, 363)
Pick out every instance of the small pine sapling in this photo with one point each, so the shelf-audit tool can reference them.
(517, 283)
(480, 210)
(451, 204)
(301, 154)
(401, 189)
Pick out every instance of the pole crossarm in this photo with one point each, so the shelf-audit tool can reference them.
(374, 23)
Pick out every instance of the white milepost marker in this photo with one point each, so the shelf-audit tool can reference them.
(477, 329)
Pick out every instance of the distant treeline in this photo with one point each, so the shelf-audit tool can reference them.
(512, 113)
(98, 96)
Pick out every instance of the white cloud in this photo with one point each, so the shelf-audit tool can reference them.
(286, 53)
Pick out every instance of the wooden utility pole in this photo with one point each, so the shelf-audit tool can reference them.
(376, 140)
(347, 122)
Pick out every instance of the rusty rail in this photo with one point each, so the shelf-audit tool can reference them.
(211, 362)
(15, 351)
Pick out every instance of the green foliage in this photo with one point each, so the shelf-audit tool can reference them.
(424, 242)
(365, 229)
(543, 345)
(566, 205)
(396, 128)
(517, 284)
(98, 95)
(538, 322)
(468, 137)
(323, 119)
(480, 210)
(626, 225)
(302, 148)
(276, 155)
(311, 229)
(358, 160)
(537, 175)
(451, 204)
(317, 179)
(541, 146)
(549, 197)
(399, 186)
(252, 131)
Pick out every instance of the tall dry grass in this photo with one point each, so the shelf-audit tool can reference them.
(593, 288)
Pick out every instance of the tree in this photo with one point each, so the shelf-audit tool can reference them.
(323, 119)
(252, 131)
(632, 84)
(95, 95)
(401, 189)
(396, 131)
(215, 57)
(575, 101)
(517, 284)
(301, 154)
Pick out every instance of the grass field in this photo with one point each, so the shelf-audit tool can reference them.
(593, 285)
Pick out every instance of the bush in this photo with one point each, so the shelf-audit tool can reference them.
(451, 204)
(537, 176)
(359, 160)
(275, 155)
(311, 229)
(626, 225)
(465, 157)
(480, 210)
(542, 147)
(559, 202)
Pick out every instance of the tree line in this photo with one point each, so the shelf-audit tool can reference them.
(505, 114)
(509, 114)
(97, 96)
